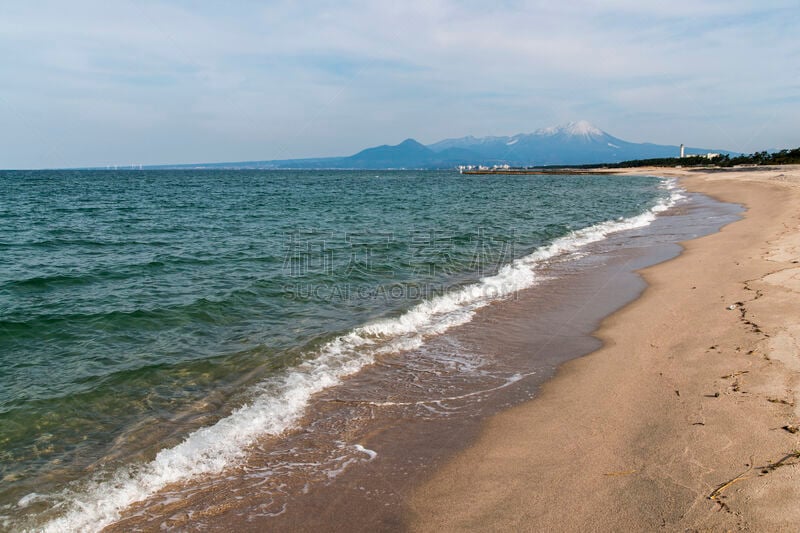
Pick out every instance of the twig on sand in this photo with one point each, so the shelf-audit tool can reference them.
(623, 473)
(734, 374)
(764, 470)
(782, 462)
(718, 491)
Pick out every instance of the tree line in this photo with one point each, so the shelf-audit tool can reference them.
(784, 157)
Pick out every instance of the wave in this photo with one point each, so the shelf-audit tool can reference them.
(280, 402)
(201, 310)
(125, 271)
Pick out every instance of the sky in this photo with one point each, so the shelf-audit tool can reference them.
(95, 83)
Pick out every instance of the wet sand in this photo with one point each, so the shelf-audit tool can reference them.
(684, 420)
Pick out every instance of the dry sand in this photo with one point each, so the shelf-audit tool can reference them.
(677, 423)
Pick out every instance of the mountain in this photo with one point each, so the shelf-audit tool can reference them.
(408, 153)
(573, 143)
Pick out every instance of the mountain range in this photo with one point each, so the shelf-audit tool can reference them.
(574, 143)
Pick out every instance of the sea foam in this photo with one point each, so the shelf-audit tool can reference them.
(280, 401)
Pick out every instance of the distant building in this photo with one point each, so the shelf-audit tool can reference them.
(708, 155)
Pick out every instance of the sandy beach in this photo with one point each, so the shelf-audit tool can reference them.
(676, 411)
(686, 418)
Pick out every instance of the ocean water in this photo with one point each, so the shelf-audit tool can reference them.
(155, 324)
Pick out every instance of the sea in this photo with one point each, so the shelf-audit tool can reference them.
(165, 334)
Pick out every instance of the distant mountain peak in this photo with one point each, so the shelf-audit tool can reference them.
(411, 142)
(581, 128)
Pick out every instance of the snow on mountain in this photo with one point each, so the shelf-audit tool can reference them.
(581, 128)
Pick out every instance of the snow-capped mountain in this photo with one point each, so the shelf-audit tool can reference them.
(573, 143)
(580, 128)
(568, 144)
(572, 131)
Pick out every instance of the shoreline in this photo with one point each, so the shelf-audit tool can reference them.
(408, 403)
(409, 440)
(417, 439)
(677, 421)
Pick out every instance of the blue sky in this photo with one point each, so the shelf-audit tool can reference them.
(149, 82)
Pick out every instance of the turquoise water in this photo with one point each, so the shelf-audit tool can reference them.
(136, 304)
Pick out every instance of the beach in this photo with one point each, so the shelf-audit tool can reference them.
(684, 420)
(354, 459)
(292, 363)
(607, 378)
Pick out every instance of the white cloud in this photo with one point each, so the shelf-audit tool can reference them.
(207, 81)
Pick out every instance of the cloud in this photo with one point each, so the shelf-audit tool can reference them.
(151, 82)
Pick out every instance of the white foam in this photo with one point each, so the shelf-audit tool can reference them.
(280, 402)
(371, 454)
(508, 382)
